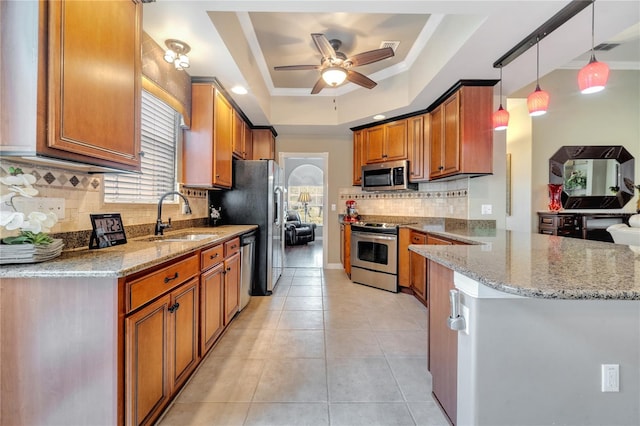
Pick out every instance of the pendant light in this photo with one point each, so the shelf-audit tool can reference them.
(538, 100)
(593, 77)
(500, 118)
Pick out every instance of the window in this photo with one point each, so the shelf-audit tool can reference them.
(159, 126)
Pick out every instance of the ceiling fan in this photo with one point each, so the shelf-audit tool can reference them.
(335, 67)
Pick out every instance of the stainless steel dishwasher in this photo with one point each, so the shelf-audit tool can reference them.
(247, 271)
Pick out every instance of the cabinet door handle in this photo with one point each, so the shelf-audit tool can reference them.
(174, 307)
(167, 280)
(213, 256)
(441, 168)
(228, 268)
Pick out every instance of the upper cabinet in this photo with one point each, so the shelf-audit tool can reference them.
(207, 151)
(461, 134)
(452, 137)
(417, 134)
(358, 154)
(241, 138)
(264, 144)
(82, 103)
(387, 142)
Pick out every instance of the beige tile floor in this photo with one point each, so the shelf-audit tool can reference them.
(319, 351)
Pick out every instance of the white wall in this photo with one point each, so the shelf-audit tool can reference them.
(519, 146)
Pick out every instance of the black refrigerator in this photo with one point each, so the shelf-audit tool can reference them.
(257, 198)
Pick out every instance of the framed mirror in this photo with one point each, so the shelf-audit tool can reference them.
(593, 177)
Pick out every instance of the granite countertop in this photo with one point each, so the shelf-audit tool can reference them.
(122, 260)
(540, 266)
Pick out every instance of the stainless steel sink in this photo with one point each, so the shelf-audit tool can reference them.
(181, 237)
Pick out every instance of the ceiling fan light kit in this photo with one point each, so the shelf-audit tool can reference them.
(593, 77)
(336, 68)
(334, 76)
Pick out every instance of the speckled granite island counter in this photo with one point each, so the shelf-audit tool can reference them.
(540, 317)
(535, 265)
(109, 336)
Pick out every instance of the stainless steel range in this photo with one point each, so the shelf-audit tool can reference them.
(374, 254)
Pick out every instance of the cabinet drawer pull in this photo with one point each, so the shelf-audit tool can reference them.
(233, 246)
(174, 307)
(169, 279)
(213, 256)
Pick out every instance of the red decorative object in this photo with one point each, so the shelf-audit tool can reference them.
(500, 119)
(555, 200)
(538, 102)
(593, 77)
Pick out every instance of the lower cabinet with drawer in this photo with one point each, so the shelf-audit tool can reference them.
(418, 268)
(219, 290)
(161, 337)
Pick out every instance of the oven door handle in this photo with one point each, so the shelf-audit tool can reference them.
(373, 237)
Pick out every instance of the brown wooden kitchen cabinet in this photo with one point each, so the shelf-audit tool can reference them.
(443, 342)
(207, 151)
(432, 239)
(461, 140)
(241, 139)
(161, 338)
(211, 297)
(418, 269)
(387, 142)
(264, 144)
(345, 247)
(418, 131)
(358, 154)
(404, 239)
(231, 279)
(89, 90)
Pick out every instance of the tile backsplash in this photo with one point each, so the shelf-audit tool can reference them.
(440, 199)
(83, 194)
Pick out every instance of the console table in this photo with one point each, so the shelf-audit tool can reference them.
(577, 225)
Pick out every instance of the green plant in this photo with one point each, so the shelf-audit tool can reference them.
(28, 237)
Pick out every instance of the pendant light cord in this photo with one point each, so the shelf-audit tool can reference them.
(593, 25)
(500, 85)
(538, 63)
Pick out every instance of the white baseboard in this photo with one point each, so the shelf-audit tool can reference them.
(333, 266)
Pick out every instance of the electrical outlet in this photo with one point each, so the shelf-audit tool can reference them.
(333, 207)
(610, 378)
(40, 204)
(487, 209)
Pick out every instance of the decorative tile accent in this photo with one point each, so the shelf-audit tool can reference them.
(193, 192)
(49, 178)
(52, 177)
(461, 193)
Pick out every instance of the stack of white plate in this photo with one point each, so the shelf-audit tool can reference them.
(30, 253)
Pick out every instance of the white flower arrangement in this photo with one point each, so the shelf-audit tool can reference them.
(216, 213)
(34, 225)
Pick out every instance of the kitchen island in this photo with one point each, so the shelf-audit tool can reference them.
(73, 327)
(542, 315)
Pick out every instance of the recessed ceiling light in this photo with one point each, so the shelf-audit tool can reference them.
(239, 90)
(378, 117)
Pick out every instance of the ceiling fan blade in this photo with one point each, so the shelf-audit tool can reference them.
(320, 84)
(323, 45)
(297, 67)
(371, 56)
(361, 80)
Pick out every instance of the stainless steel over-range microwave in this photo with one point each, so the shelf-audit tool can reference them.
(389, 176)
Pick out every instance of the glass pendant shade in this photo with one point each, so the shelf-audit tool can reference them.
(169, 56)
(500, 119)
(538, 102)
(593, 77)
(334, 76)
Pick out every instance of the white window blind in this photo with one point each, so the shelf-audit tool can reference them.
(159, 127)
